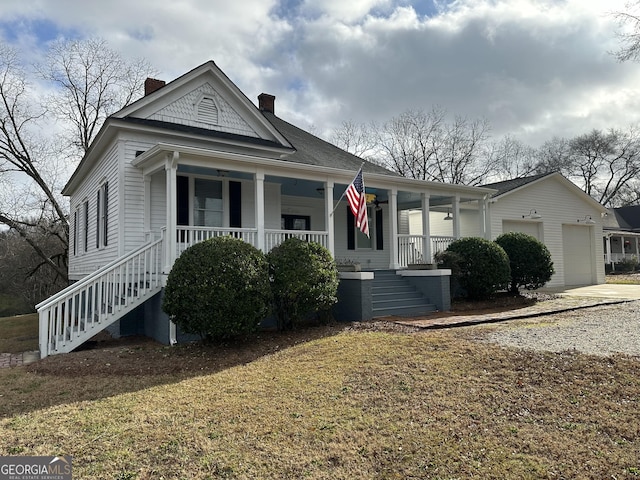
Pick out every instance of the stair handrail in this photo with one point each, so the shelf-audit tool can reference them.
(90, 278)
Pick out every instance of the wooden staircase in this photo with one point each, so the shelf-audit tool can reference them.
(394, 295)
(74, 315)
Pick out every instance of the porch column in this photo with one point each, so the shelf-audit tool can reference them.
(328, 215)
(426, 228)
(607, 243)
(393, 229)
(171, 168)
(147, 207)
(456, 217)
(482, 213)
(622, 247)
(259, 183)
(637, 256)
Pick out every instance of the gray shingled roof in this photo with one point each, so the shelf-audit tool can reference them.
(624, 218)
(311, 150)
(509, 185)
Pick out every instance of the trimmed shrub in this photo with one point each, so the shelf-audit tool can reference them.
(529, 259)
(304, 280)
(626, 265)
(218, 289)
(481, 267)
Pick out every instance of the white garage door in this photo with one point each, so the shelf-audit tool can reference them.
(578, 261)
(530, 228)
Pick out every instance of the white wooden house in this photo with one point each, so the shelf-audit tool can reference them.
(621, 238)
(549, 207)
(195, 158)
(559, 214)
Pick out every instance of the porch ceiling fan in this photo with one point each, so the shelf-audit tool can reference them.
(373, 199)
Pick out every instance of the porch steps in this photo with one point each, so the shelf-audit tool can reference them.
(394, 295)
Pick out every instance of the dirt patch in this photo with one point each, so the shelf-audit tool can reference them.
(136, 356)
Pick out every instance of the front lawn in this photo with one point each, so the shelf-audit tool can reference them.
(19, 333)
(331, 402)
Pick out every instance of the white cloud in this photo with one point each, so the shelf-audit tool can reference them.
(534, 68)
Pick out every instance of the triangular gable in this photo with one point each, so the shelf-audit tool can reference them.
(204, 98)
(572, 187)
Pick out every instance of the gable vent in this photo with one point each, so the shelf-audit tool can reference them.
(208, 111)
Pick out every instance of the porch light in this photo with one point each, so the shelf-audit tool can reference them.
(449, 216)
(320, 190)
(587, 220)
(533, 215)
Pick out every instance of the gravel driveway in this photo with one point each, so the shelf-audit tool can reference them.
(602, 330)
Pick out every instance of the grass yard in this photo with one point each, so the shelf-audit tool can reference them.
(328, 403)
(19, 333)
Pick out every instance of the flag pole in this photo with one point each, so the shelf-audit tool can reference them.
(345, 191)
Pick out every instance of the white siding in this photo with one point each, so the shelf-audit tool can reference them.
(305, 206)
(184, 111)
(158, 201)
(370, 259)
(83, 263)
(558, 205)
(132, 197)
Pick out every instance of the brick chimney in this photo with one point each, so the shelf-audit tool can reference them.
(152, 84)
(267, 102)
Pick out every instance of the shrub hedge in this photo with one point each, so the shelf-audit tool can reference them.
(304, 280)
(218, 289)
(480, 266)
(529, 260)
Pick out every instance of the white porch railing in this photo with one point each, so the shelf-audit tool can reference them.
(618, 257)
(273, 238)
(411, 248)
(188, 235)
(75, 314)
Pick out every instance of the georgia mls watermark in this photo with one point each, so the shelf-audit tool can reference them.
(35, 468)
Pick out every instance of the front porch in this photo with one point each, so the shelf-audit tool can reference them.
(410, 248)
(198, 197)
(620, 247)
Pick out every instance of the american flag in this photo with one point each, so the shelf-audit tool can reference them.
(358, 202)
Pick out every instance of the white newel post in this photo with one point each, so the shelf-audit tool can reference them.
(328, 215)
(393, 228)
(426, 228)
(259, 201)
(607, 241)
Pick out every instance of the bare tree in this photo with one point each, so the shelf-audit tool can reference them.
(425, 146)
(629, 32)
(355, 138)
(606, 165)
(512, 159)
(89, 81)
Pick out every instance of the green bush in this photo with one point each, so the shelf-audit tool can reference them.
(529, 259)
(626, 265)
(218, 289)
(304, 280)
(481, 266)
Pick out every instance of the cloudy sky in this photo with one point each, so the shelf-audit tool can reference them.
(534, 68)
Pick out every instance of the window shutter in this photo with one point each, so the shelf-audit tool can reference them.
(235, 204)
(105, 203)
(98, 219)
(379, 231)
(351, 230)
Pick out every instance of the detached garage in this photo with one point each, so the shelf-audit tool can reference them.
(559, 214)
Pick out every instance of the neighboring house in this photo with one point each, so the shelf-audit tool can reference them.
(194, 159)
(621, 235)
(559, 214)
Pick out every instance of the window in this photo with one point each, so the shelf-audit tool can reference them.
(102, 215)
(295, 222)
(207, 206)
(362, 241)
